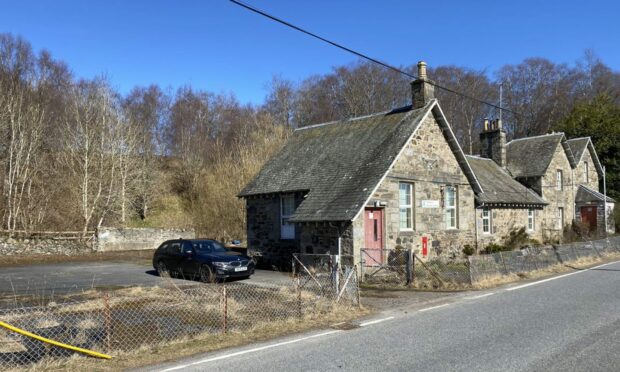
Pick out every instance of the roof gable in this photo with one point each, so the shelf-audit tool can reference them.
(579, 146)
(531, 156)
(341, 163)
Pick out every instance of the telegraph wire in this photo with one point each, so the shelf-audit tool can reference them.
(364, 56)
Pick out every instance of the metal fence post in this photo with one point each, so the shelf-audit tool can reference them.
(108, 319)
(298, 285)
(409, 266)
(357, 288)
(225, 312)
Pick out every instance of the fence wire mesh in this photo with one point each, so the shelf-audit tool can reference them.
(402, 267)
(125, 320)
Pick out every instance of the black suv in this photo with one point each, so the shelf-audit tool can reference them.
(205, 259)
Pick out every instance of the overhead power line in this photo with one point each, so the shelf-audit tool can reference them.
(364, 56)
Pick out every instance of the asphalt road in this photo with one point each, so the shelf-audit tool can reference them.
(56, 279)
(569, 323)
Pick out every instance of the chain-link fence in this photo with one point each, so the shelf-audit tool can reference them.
(402, 267)
(124, 320)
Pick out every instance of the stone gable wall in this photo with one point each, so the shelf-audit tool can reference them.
(428, 163)
(592, 174)
(556, 198)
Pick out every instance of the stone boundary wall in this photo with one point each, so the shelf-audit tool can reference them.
(129, 239)
(25, 247)
(536, 258)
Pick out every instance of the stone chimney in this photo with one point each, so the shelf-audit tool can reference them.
(422, 89)
(493, 142)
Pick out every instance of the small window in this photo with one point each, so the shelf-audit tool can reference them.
(586, 170)
(530, 220)
(559, 180)
(486, 221)
(450, 207)
(405, 201)
(287, 208)
(560, 218)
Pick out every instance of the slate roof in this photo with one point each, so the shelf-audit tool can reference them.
(340, 163)
(586, 194)
(499, 187)
(531, 156)
(578, 147)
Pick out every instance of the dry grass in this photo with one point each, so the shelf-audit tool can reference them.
(160, 353)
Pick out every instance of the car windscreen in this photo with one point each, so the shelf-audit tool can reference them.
(208, 246)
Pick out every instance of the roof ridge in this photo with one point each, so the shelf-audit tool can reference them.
(579, 138)
(355, 118)
(541, 135)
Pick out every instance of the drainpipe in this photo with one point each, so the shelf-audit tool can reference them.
(476, 228)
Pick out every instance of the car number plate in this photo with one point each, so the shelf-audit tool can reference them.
(243, 268)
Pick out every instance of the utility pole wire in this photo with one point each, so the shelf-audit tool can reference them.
(361, 55)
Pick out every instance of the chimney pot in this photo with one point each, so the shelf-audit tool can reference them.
(422, 70)
(486, 124)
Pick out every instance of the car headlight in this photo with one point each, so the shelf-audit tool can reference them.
(220, 264)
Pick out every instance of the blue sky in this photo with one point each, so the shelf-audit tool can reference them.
(217, 46)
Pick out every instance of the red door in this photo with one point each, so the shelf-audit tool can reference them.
(588, 216)
(373, 236)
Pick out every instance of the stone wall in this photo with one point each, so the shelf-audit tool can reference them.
(505, 220)
(556, 198)
(9, 247)
(263, 219)
(126, 239)
(429, 164)
(592, 181)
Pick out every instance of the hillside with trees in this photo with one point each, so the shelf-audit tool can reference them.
(76, 154)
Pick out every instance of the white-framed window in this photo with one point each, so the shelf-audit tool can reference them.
(560, 218)
(558, 180)
(450, 203)
(405, 204)
(287, 208)
(530, 220)
(486, 221)
(586, 177)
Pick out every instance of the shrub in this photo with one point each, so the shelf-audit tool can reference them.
(468, 250)
(494, 248)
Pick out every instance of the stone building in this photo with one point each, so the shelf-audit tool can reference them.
(396, 178)
(400, 178)
(590, 204)
(562, 174)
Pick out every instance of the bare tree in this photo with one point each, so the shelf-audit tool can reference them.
(91, 150)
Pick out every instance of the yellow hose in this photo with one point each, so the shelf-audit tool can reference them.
(56, 343)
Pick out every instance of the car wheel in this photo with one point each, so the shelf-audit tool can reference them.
(162, 270)
(206, 274)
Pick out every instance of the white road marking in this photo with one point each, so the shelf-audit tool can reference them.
(479, 296)
(543, 281)
(433, 307)
(375, 321)
(271, 346)
(609, 263)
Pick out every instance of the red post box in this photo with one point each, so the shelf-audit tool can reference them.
(424, 246)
